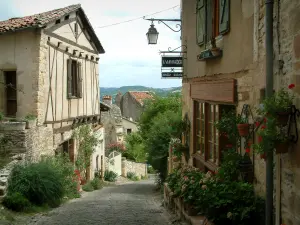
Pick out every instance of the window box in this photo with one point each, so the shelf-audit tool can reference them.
(12, 126)
(210, 54)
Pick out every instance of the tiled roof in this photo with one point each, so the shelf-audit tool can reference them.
(37, 20)
(140, 96)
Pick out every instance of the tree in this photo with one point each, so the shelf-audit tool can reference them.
(135, 148)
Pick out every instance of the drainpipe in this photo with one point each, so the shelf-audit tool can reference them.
(269, 92)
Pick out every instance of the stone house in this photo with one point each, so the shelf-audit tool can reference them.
(235, 77)
(129, 126)
(132, 103)
(112, 122)
(49, 68)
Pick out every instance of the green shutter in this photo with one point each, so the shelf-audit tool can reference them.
(79, 77)
(201, 7)
(224, 16)
(69, 78)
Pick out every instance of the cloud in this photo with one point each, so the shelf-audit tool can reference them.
(128, 60)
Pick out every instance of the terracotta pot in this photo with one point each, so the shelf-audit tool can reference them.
(282, 148)
(243, 129)
(283, 117)
(190, 210)
(263, 156)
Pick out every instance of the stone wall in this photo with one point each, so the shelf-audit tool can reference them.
(140, 169)
(130, 107)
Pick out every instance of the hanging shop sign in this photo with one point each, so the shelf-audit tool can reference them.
(171, 61)
(171, 74)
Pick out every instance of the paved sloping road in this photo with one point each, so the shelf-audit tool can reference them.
(126, 204)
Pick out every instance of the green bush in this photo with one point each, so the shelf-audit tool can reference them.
(144, 177)
(132, 176)
(88, 187)
(16, 202)
(97, 183)
(151, 170)
(110, 176)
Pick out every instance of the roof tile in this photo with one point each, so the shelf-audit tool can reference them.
(37, 20)
(140, 96)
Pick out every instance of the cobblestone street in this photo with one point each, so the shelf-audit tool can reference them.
(125, 204)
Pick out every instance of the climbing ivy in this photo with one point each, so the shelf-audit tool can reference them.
(87, 141)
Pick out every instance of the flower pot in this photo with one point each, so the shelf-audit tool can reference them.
(30, 124)
(190, 210)
(283, 117)
(215, 51)
(243, 129)
(282, 148)
(263, 156)
(82, 181)
(12, 125)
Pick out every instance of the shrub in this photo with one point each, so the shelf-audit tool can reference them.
(110, 176)
(16, 202)
(151, 170)
(41, 183)
(97, 183)
(130, 175)
(144, 177)
(88, 187)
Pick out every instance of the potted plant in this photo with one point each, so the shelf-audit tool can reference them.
(243, 126)
(215, 51)
(30, 121)
(278, 105)
(270, 137)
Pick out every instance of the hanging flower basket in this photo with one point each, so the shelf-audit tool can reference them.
(243, 129)
(282, 148)
(283, 117)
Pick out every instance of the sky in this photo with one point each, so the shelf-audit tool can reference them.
(128, 60)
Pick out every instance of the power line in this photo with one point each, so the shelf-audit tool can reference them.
(141, 17)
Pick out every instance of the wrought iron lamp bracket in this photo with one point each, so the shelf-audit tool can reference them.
(295, 113)
(178, 26)
(173, 51)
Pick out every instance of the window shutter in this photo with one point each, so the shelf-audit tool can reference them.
(201, 21)
(79, 80)
(224, 16)
(69, 78)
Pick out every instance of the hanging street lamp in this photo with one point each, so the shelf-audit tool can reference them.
(152, 35)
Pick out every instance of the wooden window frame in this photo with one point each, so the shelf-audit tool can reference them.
(74, 79)
(214, 25)
(203, 156)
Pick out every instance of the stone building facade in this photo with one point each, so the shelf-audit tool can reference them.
(132, 103)
(112, 122)
(238, 77)
(49, 69)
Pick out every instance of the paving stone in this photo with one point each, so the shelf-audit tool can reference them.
(133, 203)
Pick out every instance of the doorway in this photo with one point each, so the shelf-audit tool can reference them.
(10, 78)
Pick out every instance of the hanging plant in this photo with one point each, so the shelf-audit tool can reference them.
(178, 148)
(278, 106)
(242, 126)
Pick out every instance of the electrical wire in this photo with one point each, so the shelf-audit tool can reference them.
(138, 18)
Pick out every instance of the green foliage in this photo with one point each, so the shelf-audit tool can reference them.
(119, 147)
(151, 170)
(227, 126)
(135, 149)
(16, 202)
(110, 176)
(40, 183)
(30, 117)
(97, 183)
(132, 176)
(1, 116)
(87, 141)
(88, 187)
(144, 177)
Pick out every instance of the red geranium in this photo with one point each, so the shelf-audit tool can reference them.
(257, 124)
(263, 127)
(247, 150)
(259, 139)
(291, 86)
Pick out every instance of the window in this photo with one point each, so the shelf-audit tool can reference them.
(128, 131)
(10, 78)
(207, 138)
(212, 19)
(74, 79)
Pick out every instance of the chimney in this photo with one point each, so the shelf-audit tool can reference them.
(107, 99)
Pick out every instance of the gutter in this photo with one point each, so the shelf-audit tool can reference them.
(269, 92)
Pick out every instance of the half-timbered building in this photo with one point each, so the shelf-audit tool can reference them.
(49, 68)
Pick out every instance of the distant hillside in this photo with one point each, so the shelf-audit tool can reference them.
(159, 91)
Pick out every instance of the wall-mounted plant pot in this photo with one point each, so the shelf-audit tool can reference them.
(263, 156)
(282, 148)
(243, 129)
(283, 117)
(30, 124)
(12, 126)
